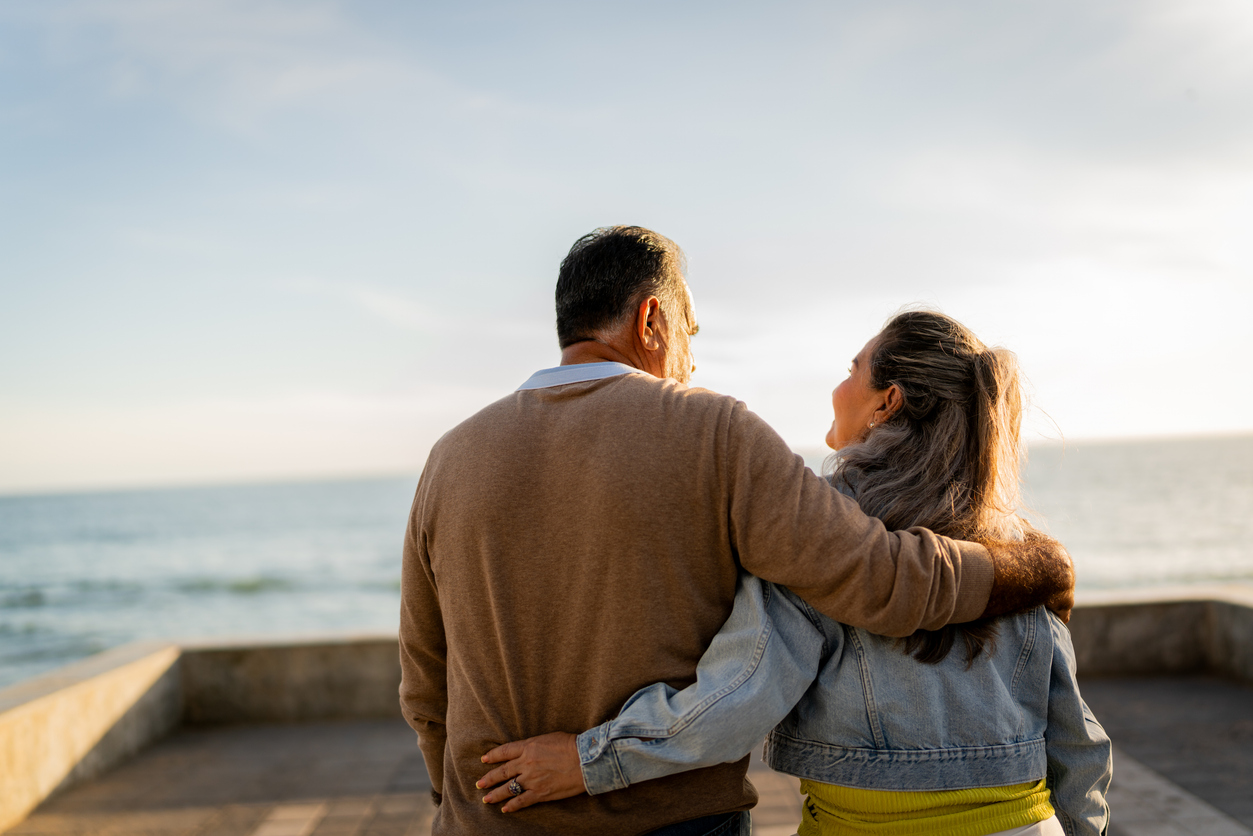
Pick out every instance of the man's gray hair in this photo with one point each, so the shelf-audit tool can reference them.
(609, 272)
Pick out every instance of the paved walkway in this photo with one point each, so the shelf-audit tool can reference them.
(366, 778)
(356, 778)
(1186, 746)
(353, 778)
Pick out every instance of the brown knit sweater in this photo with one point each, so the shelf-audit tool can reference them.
(570, 545)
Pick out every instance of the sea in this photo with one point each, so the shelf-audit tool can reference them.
(80, 573)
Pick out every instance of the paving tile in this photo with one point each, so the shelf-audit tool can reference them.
(348, 806)
(420, 825)
(337, 825)
(291, 820)
(389, 805)
(185, 820)
(387, 825)
(46, 824)
(235, 820)
(341, 828)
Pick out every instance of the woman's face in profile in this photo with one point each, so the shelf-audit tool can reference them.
(854, 402)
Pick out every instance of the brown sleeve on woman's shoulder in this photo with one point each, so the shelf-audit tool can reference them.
(789, 526)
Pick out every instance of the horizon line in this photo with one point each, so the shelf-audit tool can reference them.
(405, 471)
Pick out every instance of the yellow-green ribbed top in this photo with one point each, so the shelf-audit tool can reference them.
(831, 810)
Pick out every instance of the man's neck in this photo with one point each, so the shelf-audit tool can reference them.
(594, 351)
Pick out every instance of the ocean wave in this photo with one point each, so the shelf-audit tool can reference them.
(25, 629)
(235, 586)
(22, 599)
(73, 592)
(108, 585)
(392, 585)
(61, 650)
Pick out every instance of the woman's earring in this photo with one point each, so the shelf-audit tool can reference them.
(872, 425)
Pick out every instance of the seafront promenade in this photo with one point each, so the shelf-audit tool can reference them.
(1192, 774)
(300, 738)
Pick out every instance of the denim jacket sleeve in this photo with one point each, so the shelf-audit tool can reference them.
(756, 668)
(1077, 748)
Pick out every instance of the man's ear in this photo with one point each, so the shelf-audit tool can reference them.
(648, 323)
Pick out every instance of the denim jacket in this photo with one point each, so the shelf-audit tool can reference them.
(847, 707)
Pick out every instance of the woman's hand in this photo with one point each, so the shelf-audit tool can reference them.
(546, 767)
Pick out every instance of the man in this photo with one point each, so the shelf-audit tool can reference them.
(581, 538)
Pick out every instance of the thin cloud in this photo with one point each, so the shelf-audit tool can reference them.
(387, 306)
(442, 320)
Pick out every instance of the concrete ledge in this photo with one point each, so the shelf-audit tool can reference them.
(1231, 643)
(75, 723)
(294, 680)
(1174, 630)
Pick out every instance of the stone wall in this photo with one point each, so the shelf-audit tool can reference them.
(1166, 631)
(288, 682)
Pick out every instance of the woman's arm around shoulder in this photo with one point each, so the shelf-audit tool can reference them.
(754, 671)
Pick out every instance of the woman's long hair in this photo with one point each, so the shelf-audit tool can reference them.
(948, 459)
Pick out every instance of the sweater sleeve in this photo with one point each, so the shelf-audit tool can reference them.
(789, 526)
(423, 650)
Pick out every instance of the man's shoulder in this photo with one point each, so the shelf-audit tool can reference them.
(628, 398)
(627, 388)
(670, 388)
(489, 416)
(667, 400)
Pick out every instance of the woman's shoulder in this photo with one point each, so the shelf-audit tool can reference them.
(1034, 620)
(1018, 636)
(778, 598)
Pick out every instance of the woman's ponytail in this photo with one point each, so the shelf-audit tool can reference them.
(949, 460)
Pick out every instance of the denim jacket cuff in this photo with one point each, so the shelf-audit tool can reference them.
(599, 762)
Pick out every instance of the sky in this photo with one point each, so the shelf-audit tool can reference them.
(267, 240)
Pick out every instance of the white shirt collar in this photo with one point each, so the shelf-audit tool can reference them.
(578, 373)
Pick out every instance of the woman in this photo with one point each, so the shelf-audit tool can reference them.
(970, 730)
